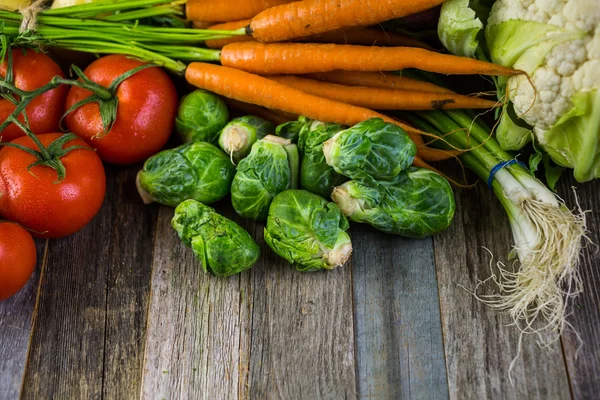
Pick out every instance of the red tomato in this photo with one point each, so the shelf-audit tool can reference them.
(145, 116)
(17, 258)
(31, 71)
(37, 201)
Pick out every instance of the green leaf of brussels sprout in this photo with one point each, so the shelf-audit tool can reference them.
(198, 171)
(270, 168)
(316, 175)
(291, 130)
(223, 247)
(201, 117)
(308, 231)
(238, 136)
(417, 203)
(372, 149)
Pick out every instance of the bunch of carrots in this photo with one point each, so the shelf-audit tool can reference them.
(319, 59)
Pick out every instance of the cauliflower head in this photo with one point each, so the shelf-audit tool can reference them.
(557, 102)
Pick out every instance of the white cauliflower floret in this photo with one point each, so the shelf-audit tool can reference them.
(571, 66)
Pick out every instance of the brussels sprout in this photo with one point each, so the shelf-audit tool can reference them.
(372, 149)
(315, 174)
(198, 171)
(308, 231)
(201, 117)
(291, 130)
(270, 168)
(416, 203)
(223, 247)
(241, 133)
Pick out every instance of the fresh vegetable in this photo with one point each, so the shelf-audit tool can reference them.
(415, 203)
(34, 192)
(360, 36)
(315, 175)
(129, 115)
(378, 80)
(304, 58)
(227, 10)
(197, 171)
(271, 167)
(558, 45)
(548, 236)
(117, 27)
(249, 88)
(17, 258)
(366, 37)
(226, 26)
(222, 246)
(201, 117)
(384, 99)
(274, 116)
(32, 70)
(238, 136)
(309, 17)
(371, 150)
(308, 231)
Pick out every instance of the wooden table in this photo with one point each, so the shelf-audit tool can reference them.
(122, 308)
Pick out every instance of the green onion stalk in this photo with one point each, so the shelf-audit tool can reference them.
(109, 27)
(548, 237)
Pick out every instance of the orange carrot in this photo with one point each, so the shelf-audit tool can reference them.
(254, 89)
(433, 155)
(384, 99)
(228, 26)
(203, 24)
(367, 37)
(276, 117)
(227, 10)
(378, 80)
(304, 58)
(310, 17)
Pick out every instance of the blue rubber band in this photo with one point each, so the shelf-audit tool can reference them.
(500, 166)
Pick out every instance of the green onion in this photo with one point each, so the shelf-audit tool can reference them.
(548, 237)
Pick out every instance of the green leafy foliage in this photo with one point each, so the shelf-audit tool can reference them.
(198, 171)
(316, 175)
(201, 117)
(270, 168)
(416, 203)
(370, 150)
(308, 231)
(222, 246)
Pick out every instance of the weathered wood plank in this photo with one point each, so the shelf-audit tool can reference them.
(584, 365)
(132, 232)
(194, 344)
(302, 332)
(16, 319)
(399, 349)
(91, 310)
(479, 346)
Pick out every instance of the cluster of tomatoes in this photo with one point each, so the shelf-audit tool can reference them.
(33, 201)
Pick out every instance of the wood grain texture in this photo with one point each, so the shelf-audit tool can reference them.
(479, 346)
(584, 365)
(86, 342)
(132, 233)
(16, 320)
(197, 324)
(302, 331)
(399, 349)
(221, 338)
